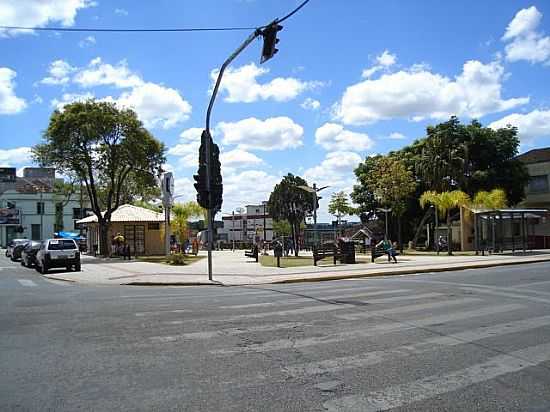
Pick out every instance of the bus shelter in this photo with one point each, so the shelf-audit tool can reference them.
(499, 230)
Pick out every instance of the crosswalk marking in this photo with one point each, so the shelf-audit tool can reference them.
(408, 308)
(508, 294)
(374, 330)
(26, 282)
(225, 332)
(293, 301)
(422, 389)
(374, 357)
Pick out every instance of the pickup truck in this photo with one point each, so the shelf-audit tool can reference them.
(58, 253)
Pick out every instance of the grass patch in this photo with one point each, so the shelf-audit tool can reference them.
(292, 261)
(187, 259)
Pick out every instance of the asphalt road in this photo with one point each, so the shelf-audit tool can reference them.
(458, 341)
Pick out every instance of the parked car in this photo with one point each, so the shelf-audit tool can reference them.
(14, 248)
(58, 253)
(28, 255)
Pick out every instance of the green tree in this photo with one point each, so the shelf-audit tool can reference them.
(495, 199)
(339, 205)
(288, 201)
(182, 213)
(282, 227)
(103, 147)
(444, 203)
(363, 193)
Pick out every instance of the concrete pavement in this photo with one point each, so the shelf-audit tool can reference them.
(457, 341)
(233, 268)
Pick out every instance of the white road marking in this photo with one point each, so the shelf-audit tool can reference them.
(508, 295)
(422, 389)
(161, 312)
(460, 338)
(26, 282)
(408, 308)
(371, 330)
(294, 301)
(226, 332)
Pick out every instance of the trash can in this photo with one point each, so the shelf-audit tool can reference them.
(347, 249)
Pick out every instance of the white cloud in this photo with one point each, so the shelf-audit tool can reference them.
(39, 13)
(68, 98)
(121, 12)
(9, 102)
(239, 158)
(59, 72)
(274, 133)
(334, 137)
(10, 157)
(526, 43)
(156, 105)
(386, 59)
(397, 136)
(188, 148)
(241, 85)
(417, 93)
(237, 187)
(335, 170)
(103, 74)
(310, 104)
(383, 62)
(87, 41)
(531, 126)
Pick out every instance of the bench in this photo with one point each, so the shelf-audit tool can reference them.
(324, 251)
(253, 253)
(377, 252)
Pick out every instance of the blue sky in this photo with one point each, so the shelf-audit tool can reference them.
(351, 79)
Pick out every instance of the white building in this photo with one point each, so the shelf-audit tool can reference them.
(29, 207)
(253, 224)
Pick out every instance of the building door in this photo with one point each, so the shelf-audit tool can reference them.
(35, 232)
(135, 236)
(10, 234)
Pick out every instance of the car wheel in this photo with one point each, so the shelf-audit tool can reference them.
(77, 267)
(43, 268)
(12, 258)
(23, 262)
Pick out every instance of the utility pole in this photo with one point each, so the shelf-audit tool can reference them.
(167, 198)
(204, 188)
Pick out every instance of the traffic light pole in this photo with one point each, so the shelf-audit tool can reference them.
(210, 212)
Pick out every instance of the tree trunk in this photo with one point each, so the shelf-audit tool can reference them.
(399, 240)
(104, 243)
(420, 227)
(449, 235)
(295, 230)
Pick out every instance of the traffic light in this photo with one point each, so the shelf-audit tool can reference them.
(216, 185)
(201, 184)
(270, 40)
(209, 199)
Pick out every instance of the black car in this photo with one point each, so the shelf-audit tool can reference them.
(17, 248)
(28, 255)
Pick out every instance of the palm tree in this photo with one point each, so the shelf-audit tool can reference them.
(444, 203)
(495, 199)
(182, 213)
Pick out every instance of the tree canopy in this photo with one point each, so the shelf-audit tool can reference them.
(289, 202)
(107, 149)
(339, 205)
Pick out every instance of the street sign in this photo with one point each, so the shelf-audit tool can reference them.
(167, 189)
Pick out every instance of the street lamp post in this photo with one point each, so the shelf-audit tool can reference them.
(386, 211)
(315, 190)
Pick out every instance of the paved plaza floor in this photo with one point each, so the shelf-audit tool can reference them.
(233, 268)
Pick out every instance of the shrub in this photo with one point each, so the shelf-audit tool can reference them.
(177, 259)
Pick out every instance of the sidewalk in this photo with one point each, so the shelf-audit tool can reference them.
(233, 268)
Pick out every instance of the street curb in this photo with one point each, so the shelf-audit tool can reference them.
(138, 283)
(61, 279)
(408, 272)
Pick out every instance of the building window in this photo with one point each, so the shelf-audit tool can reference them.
(538, 184)
(35, 232)
(11, 204)
(153, 226)
(39, 208)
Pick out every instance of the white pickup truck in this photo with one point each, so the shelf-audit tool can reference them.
(58, 253)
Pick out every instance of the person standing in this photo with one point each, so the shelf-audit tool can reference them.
(386, 245)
